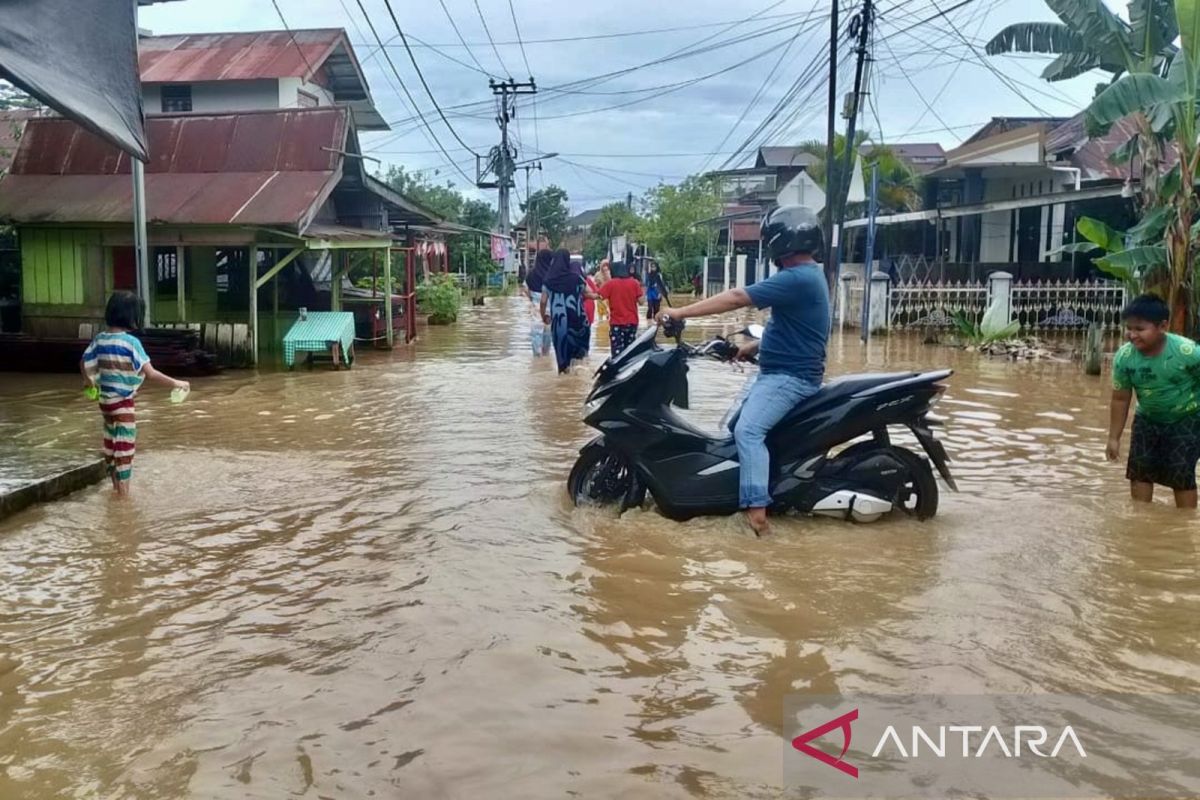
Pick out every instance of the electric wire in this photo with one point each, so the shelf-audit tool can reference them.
(408, 94)
(492, 41)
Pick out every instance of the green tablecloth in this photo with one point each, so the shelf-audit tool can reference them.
(318, 333)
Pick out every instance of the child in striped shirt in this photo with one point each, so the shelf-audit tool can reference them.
(116, 364)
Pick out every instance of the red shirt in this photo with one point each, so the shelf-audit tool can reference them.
(622, 295)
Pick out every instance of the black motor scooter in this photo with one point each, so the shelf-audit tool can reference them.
(645, 446)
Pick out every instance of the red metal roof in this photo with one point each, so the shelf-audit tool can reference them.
(260, 168)
(235, 56)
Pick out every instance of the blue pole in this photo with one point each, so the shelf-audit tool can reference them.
(869, 258)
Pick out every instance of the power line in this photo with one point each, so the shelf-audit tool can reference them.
(292, 36)
(517, 28)
(761, 88)
(488, 31)
(408, 94)
(466, 47)
(391, 12)
(593, 37)
(571, 88)
(928, 106)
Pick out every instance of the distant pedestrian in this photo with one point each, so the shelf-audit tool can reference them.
(1164, 370)
(114, 366)
(622, 293)
(656, 290)
(697, 285)
(539, 331)
(602, 276)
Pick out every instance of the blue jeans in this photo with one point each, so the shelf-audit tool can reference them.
(771, 397)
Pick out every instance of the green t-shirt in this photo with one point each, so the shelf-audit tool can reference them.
(1167, 385)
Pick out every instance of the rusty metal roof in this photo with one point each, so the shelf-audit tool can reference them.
(256, 168)
(12, 128)
(264, 55)
(189, 58)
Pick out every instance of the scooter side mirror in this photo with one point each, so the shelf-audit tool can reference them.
(754, 330)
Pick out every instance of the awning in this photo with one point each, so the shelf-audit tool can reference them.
(80, 58)
(341, 237)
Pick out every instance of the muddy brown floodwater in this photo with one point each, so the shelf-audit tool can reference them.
(371, 584)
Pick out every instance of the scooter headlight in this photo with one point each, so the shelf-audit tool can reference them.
(592, 406)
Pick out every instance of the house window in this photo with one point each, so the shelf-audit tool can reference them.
(233, 279)
(176, 98)
(306, 100)
(166, 272)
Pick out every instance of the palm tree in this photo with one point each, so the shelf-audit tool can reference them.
(899, 184)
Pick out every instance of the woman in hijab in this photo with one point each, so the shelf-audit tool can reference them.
(562, 307)
(656, 291)
(539, 333)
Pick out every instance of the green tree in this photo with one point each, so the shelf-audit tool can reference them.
(442, 199)
(616, 219)
(899, 184)
(478, 214)
(669, 227)
(547, 210)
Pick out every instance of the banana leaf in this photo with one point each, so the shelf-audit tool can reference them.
(1099, 233)
(1187, 14)
(1036, 37)
(1129, 263)
(1080, 247)
(1135, 93)
(1151, 226)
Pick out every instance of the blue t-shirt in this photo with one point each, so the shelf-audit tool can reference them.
(796, 335)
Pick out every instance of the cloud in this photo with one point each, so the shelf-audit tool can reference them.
(938, 61)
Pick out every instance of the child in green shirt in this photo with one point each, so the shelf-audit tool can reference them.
(1164, 370)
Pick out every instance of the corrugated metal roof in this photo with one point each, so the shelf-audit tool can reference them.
(234, 56)
(785, 157)
(261, 168)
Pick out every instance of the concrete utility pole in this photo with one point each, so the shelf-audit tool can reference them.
(503, 156)
(830, 136)
(860, 27)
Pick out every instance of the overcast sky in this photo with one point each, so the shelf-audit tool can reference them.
(932, 80)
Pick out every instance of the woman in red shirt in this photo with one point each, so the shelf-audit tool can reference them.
(622, 294)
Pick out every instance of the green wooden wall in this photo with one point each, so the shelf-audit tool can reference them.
(55, 265)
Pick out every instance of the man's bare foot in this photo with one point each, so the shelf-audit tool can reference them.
(757, 517)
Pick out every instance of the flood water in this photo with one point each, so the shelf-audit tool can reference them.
(371, 583)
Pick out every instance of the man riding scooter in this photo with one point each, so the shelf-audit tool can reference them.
(791, 354)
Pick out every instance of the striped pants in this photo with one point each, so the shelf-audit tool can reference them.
(120, 434)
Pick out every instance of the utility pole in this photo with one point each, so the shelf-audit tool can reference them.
(501, 159)
(830, 136)
(531, 232)
(860, 26)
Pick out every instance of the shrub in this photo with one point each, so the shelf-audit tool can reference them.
(440, 298)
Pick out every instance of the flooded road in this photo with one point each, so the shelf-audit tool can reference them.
(371, 584)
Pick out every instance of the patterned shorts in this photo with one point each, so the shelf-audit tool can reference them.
(1164, 453)
(620, 337)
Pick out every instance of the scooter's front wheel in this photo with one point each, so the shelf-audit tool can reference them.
(603, 478)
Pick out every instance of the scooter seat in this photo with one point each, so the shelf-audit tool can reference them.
(845, 386)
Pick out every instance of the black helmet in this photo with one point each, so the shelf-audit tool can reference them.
(792, 229)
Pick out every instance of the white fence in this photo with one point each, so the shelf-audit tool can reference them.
(1038, 305)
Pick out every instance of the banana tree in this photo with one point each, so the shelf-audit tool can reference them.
(1168, 104)
(1091, 37)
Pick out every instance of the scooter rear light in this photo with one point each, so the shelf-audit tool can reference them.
(939, 389)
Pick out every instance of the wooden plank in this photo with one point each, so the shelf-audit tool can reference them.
(54, 258)
(224, 347)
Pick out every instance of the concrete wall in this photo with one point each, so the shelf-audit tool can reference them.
(289, 89)
(214, 96)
